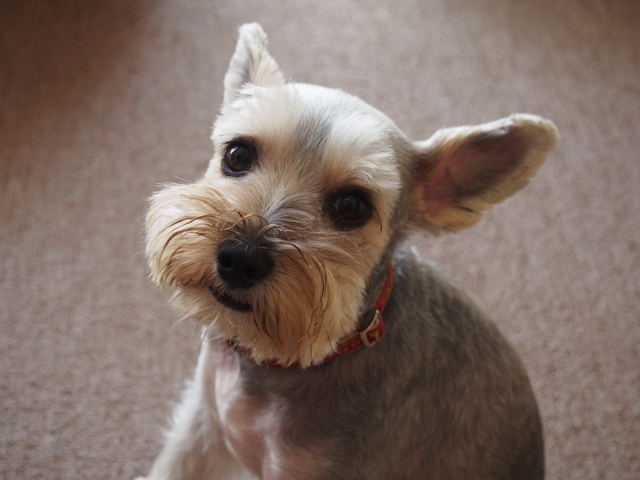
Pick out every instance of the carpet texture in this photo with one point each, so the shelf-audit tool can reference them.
(102, 101)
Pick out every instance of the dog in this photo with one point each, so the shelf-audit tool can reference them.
(330, 348)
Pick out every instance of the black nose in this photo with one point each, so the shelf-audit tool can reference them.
(243, 265)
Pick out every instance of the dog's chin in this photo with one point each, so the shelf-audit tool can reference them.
(229, 302)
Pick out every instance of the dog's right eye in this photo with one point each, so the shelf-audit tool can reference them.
(238, 159)
(350, 209)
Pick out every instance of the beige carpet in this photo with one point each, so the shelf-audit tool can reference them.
(101, 101)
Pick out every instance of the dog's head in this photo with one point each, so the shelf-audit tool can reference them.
(308, 190)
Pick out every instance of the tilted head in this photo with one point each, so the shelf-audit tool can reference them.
(308, 191)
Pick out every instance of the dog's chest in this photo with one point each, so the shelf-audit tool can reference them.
(243, 418)
(251, 426)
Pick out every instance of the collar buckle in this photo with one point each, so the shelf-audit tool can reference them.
(372, 334)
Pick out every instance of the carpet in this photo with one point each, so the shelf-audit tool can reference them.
(102, 101)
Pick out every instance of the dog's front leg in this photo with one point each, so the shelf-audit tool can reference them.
(194, 447)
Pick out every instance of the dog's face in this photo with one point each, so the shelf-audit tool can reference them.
(308, 186)
(276, 242)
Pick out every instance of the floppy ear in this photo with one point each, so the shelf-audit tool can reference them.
(461, 172)
(251, 63)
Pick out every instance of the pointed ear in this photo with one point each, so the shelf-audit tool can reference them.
(460, 173)
(251, 63)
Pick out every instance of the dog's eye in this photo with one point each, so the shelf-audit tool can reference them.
(238, 159)
(351, 209)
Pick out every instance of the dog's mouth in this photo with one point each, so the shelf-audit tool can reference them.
(229, 302)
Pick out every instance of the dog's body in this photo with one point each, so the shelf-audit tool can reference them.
(283, 249)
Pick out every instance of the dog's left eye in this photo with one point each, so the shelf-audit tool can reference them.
(238, 159)
(351, 209)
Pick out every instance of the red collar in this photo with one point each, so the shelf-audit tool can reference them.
(371, 330)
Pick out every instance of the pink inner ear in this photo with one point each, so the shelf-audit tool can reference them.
(478, 166)
(440, 188)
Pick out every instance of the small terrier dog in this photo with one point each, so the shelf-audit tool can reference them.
(331, 350)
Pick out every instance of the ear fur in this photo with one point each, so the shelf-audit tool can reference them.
(251, 63)
(461, 172)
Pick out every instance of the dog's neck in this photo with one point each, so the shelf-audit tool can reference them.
(375, 290)
(370, 330)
